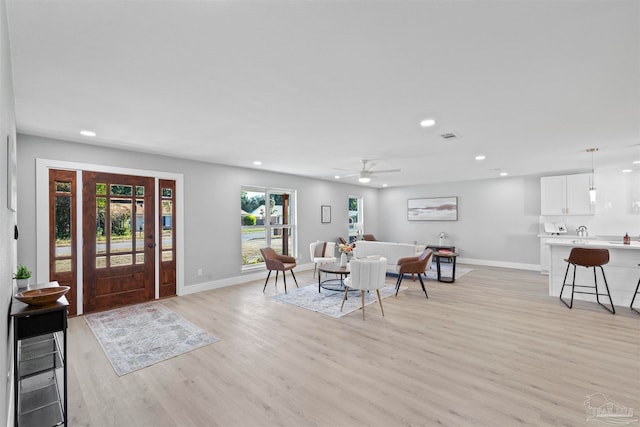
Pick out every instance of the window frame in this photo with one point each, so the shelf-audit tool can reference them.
(356, 229)
(292, 226)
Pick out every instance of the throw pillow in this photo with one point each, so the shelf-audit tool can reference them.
(320, 248)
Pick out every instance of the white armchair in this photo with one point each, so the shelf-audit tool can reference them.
(366, 274)
(320, 256)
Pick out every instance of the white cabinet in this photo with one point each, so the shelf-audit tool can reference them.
(566, 195)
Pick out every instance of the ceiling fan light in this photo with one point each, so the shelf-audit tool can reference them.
(364, 179)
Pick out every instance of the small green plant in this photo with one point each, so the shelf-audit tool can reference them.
(22, 273)
(249, 220)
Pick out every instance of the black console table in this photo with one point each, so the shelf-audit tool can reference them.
(40, 369)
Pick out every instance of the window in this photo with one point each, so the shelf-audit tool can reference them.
(267, 219)
(356, 221)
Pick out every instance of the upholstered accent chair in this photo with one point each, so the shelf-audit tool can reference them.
(322, 253)
(366, 274)
(414, 265)
(278, 262)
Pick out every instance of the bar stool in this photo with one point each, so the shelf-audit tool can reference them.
(635, 295)
(587, 258)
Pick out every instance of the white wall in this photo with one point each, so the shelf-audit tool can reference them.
(212, 203)
(7, 219)
(497, 220)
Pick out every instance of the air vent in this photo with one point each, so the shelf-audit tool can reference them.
(449, 136)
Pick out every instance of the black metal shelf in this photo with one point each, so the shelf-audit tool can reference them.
(40, 371)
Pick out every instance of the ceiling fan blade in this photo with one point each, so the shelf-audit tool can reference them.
(386, 171)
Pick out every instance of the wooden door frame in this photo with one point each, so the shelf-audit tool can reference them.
(42, 218)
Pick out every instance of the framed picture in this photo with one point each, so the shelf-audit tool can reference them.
(12, 171)
(325, 213)
(433, 209)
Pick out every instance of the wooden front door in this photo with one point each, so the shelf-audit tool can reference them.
(119, 240)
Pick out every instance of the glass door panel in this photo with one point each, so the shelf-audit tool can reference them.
(120, 225)
(167, 239)
(62, 232)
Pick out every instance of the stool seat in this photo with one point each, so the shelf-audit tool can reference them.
(585, 257)
(589, 258)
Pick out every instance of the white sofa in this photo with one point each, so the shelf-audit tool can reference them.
(391, 251)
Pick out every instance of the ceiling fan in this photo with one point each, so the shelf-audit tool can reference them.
(364, 175)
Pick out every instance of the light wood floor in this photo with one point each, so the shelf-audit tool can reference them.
(492, 349)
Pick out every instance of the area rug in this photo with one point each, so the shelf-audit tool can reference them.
(141, 335)
(329, 302)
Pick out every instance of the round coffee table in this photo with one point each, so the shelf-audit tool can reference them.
(336, 284)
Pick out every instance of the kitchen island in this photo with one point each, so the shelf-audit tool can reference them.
(622, 271)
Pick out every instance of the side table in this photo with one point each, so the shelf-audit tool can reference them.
(451, 256)
(40, 368)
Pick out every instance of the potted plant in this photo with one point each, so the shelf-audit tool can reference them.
(22, 276)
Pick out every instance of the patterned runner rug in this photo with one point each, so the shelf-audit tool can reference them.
(141, 335)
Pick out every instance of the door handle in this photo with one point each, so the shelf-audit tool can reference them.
(151, 245)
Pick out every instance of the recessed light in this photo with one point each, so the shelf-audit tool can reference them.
(385, 185)
(337, 176)
(427, 123)
(626, 171)
(503, 174)
(87, 133)
(637, 162)
(257, 163)
(480, 157)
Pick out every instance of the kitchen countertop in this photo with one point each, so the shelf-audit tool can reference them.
(605, 244)
(566, 236)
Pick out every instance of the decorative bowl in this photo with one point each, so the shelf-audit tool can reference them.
(42, 296)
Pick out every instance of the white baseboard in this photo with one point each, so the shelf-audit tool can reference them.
(501, 264)
(237, 280)
(262, 274)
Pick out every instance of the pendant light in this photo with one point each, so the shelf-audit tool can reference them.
(592, 184)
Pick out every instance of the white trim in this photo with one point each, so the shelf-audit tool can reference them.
(156, 248)
(239, 280)
(42, 217)
(79, 244)
(262, 274)
(501, 264)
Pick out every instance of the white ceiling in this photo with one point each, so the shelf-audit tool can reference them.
(308, 86)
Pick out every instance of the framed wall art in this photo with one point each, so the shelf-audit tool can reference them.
(12, 171)
(325, 214)
(433, 209)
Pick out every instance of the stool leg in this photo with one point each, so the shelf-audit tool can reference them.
(564, 283)
(613, 309)
(634, 298)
